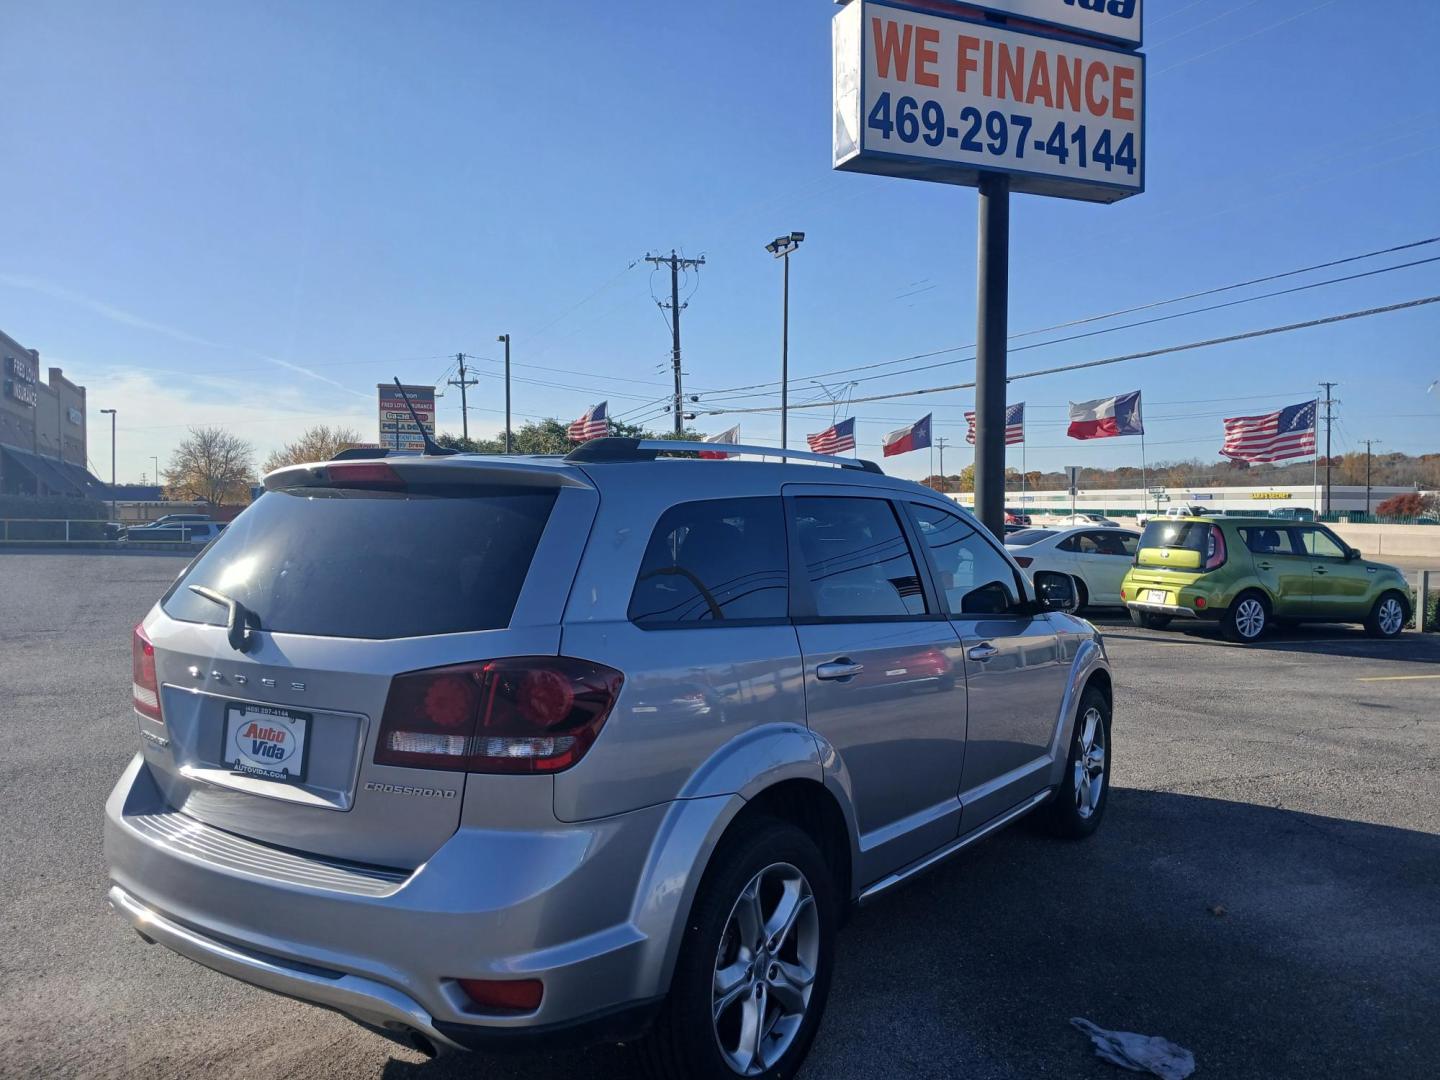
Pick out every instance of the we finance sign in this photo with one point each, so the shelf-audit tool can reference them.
(946, 98)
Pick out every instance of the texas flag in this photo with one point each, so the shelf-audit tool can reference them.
(731, 436)
(914, 437)
(1106, 417)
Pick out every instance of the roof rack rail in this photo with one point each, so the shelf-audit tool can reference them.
(613, 449)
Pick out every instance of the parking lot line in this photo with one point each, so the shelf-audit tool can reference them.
(1397, 678)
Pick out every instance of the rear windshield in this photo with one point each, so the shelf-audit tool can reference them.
(1026, 537)
(1189, 535)
(370, 564)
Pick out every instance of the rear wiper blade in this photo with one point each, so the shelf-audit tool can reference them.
(240, 621)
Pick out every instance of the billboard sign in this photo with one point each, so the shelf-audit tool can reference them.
(397, 429)
(1115, 20)
(944, 98)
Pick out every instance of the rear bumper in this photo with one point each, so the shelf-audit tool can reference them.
(1172, 610)
(572, 906)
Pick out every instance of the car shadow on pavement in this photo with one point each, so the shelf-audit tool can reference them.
(1320, 639)
(1267, 941)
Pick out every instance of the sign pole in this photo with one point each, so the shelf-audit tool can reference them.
(992, 308)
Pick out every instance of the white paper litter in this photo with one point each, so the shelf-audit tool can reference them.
(1139, 1053)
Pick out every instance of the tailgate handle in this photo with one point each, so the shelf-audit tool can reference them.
(840, 668)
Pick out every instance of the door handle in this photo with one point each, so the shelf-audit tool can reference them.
(1321, 570)
(982, 652)
(840, 668)
(1263, 565)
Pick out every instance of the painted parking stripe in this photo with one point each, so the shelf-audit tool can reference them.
(1397, 678)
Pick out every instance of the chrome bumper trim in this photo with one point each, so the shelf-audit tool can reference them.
(361, 999)
(1163, 609)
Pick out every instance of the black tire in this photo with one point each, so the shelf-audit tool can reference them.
(1082, 595)
(1066, 814)
(1247, 618)
(683, 1042)
(1376, 621)
(1147, 621)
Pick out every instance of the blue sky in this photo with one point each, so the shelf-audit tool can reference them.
(249, 214)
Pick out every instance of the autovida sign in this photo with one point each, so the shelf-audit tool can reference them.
(932, 95)
(397, 429)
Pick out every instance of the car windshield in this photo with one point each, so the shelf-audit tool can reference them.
(1026, 537)
(428, 563)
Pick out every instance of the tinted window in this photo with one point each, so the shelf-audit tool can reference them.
(1188, 535)
(1321, 543)
(973, 577)
(723, 559)
(857, 559)
(1268, 540)
(1026, 537)
(367, 564)
(1110, 542)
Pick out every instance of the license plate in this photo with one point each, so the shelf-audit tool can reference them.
(264, 741)
(1157, 596)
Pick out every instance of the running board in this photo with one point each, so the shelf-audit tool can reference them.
(885, 884)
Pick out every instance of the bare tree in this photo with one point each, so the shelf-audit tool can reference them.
(319, 443)
(211, 466)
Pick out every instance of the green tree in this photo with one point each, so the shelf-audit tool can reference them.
(211, 466)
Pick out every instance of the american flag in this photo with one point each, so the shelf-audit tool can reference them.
(1014, 425)
(594, 424)
(1285, 434)
(833, 439)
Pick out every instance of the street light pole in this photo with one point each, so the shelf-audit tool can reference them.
(111, 414)
(155, 458)
(506, 339)
(781, 247)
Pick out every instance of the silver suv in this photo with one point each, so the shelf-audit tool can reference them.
(482, 750)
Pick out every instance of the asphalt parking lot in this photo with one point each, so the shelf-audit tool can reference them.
(1265, 891)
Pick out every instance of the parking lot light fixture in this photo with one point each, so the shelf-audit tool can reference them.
(111, 414)
(781, 247)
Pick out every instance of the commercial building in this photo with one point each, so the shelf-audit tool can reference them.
(42, 428)
(1344, 499)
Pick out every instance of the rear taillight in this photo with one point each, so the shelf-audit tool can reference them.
(1024, 560)
(145, 688)
(536, 714)
(1215, 553)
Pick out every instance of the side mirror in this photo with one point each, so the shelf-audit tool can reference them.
(1055, 591)
(1351, 554)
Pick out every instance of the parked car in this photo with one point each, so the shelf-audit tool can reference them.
(600, 746)
(1175, 513)
(1083, 520)
(174, 519)
(1015, 517)
(191, 533)
(1096, 558)
(1250, 573)
(1293, 513)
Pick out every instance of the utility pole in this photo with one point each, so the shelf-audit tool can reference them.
(1369, 443)
(506, 339)
(1329, 403)
(111, 413)
(463, 383)
(676, 264)
(940, 445)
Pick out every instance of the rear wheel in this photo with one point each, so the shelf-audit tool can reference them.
(754, 967)
(1079, 804)
(1388, 617)
(1148, 621)
(1247, 619)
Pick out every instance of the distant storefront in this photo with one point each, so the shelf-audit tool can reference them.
(42, 429)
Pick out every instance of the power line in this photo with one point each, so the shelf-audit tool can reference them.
(1147, 354)
(1113, 314)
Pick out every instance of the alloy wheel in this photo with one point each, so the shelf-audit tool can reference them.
(1250, 618)
(1090, 763)
(1392, 616)
(765, 969)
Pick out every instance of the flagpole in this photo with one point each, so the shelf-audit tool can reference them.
(1144, 477)
(1023, 448)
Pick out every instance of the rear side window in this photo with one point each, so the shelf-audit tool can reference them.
(372, 564)
(1270, 540)
(857, 559)
(1026, 537)
(720, 560)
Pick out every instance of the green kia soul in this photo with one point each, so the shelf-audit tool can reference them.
(1249, 573)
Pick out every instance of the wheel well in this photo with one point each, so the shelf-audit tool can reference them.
(806, 804)
(1100, 679)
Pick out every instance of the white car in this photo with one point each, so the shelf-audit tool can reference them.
(1096, 557)
(1086, 521)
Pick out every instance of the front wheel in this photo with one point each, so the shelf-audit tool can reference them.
(1079, 803)
(1247, 619)
(1388, 617)
(754, 967)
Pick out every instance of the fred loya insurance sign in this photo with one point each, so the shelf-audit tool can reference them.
(944, 97)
